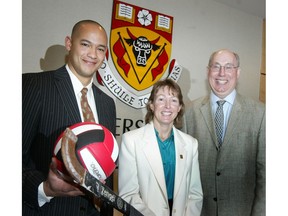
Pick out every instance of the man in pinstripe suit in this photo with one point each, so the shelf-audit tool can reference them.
(50, 104)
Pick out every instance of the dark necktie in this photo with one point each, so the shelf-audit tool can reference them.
(86, 110)
(219, 121)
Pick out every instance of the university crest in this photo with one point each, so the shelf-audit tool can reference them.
(140, 48)
(140, 44)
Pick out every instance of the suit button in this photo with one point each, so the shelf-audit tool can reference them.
(218, 173)
(82, 208)
(215, 199)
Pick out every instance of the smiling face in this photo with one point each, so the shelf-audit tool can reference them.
(223, 73)
(87, 47)
(165, 107)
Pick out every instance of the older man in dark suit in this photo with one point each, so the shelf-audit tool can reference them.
(232, 165)
(50, 104)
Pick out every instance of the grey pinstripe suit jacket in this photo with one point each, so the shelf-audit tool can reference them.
(48, 107)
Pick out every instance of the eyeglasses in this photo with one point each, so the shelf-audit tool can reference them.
(228, 68)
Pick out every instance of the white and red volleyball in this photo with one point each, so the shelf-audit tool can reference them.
(96, 149)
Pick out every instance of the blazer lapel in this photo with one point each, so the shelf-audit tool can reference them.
(207, 115)
(152, 153)
(181, 156)
(235, 115)
(65, 88)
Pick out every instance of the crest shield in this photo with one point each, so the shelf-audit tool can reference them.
(140, 44)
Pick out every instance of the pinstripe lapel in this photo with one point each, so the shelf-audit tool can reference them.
(207, 115)
(64, 85)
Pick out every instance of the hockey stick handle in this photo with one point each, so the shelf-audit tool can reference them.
(89, 182)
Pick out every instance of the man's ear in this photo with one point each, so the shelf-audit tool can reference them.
(238, 72)
(68, 43)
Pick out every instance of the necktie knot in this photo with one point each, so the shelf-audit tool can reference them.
(221, 103)
(84, 91)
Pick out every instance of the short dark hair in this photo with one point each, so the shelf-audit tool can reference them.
(175, 88)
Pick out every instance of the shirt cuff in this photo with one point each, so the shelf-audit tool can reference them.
(42, 198)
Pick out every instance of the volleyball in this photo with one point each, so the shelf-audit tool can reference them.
(96, 149)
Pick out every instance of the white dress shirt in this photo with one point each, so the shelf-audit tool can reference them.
(227, 107)
(77, 86)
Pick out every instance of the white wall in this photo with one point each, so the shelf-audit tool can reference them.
(200, 27)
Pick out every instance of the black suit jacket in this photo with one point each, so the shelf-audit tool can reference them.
(49, 106)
